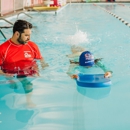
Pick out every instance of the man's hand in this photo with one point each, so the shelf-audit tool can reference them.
(6, 74)
(9, 75)
(43, 63)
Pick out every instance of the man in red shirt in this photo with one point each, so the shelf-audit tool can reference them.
(18, 56)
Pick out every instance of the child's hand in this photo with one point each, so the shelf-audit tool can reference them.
(107, 75)
(74, 76)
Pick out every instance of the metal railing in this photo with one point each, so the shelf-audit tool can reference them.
(23, 13)
(5, 26)
(15, 7)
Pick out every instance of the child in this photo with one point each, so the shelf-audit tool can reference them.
(76, 52)
(86, 61)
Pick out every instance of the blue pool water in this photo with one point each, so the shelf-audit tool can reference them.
(57, 103)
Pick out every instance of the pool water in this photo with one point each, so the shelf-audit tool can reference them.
(56, 102)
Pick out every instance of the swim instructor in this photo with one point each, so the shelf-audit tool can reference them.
(18, 55)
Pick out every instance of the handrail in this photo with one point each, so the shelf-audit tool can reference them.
(24, 13)
(2, 34)
(6, 20)
(5, 26)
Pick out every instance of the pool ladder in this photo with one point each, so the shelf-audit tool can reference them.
(1, 18)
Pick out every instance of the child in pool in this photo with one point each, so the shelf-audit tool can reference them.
(85, 61)
(76, 52)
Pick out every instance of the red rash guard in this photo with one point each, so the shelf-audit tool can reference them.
(19, 59)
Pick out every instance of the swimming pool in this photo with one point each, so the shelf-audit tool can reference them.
(60, 103)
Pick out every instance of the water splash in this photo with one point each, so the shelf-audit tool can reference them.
(78, 38)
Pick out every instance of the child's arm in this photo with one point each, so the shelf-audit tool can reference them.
(108, 72)
(74, 76)
(72, 70)
(74, 55)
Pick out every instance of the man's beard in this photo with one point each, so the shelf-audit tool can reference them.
(20, 40)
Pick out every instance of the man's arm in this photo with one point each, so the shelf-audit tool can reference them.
(43, 63)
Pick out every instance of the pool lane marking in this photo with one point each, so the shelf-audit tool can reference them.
(124, 5)
(119, 18)
(121, 4)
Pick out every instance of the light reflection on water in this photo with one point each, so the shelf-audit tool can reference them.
(56, 102)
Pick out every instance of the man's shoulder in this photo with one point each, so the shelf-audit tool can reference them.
(4, 44)
(32, 44)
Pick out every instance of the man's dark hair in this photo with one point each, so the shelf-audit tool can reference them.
(20, 25)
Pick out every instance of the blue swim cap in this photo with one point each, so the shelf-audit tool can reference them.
(86, 59)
